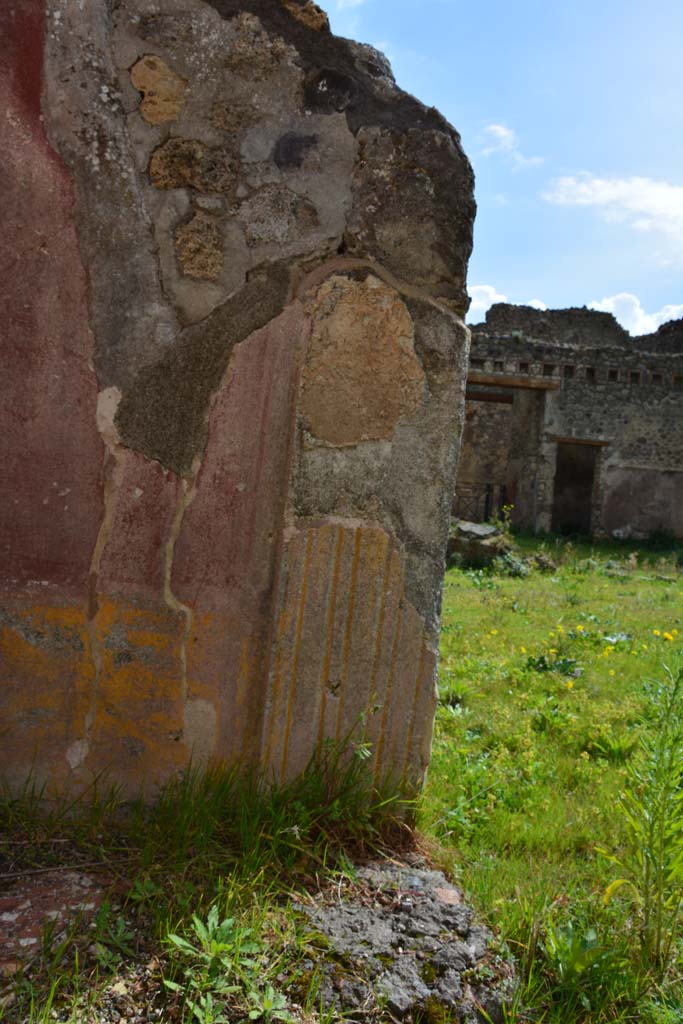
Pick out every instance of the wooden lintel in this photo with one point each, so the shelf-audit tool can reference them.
(503, 380)
(578, 440)
(489, 396)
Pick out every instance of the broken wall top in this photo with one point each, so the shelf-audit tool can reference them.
(576, 327)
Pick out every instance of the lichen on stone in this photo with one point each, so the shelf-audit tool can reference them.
(309, 13)
(164, 91)
(187, 163)
(275, 214)
(199, 247)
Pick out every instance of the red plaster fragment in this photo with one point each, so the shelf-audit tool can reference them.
(50, 450)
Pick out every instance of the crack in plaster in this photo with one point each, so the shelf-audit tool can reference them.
(189, 486)
(107, 404)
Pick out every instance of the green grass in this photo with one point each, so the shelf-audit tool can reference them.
(204, 885)
(543, 703)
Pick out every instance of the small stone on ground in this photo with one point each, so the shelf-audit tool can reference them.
(405, 938)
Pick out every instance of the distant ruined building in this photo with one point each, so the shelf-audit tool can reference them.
(573, 422)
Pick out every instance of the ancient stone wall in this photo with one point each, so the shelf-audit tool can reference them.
(589, 380)
(484, 452)
(486, 439)
(233, 389)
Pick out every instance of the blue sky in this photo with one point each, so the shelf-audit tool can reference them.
(571, 112)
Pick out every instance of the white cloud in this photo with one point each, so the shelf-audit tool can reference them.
(483, 296)
(499, 139)
(628, 311)
(347, 5)
(536, 304)
(641, 203)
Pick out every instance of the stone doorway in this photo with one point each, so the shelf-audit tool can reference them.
(573, 488)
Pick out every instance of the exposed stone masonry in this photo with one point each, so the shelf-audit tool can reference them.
(236, 365)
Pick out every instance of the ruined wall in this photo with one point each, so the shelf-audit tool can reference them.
(485, 444)
(589, 380)
(233, 389)
(483, 463)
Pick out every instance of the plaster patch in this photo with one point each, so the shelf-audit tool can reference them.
(77, 753)
(361, 374)
(107, 404)
(199, 730)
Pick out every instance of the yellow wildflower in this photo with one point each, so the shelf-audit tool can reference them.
(523, 650)
(612, 672)
(656, 632)
(579, 629)
(570, 684)
(668, 636)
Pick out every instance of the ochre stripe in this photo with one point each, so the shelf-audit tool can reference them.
(277, 670)
(380, 627)
(244, 682)
(349, 626)
(330, 631)
(297, 645)
(390, 686)
(413, 711)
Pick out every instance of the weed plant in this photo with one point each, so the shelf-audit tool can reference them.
(652, 806)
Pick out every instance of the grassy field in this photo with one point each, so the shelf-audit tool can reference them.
(548, 686)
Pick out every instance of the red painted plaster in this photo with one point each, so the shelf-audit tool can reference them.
(50, 451)
(228, 548)
(145, 503)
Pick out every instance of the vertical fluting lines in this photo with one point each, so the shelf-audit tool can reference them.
(413, 712)
(380, 626)
(347, 636)
(297, 647)
(329, 634)
(278, 670)
(390, 686)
